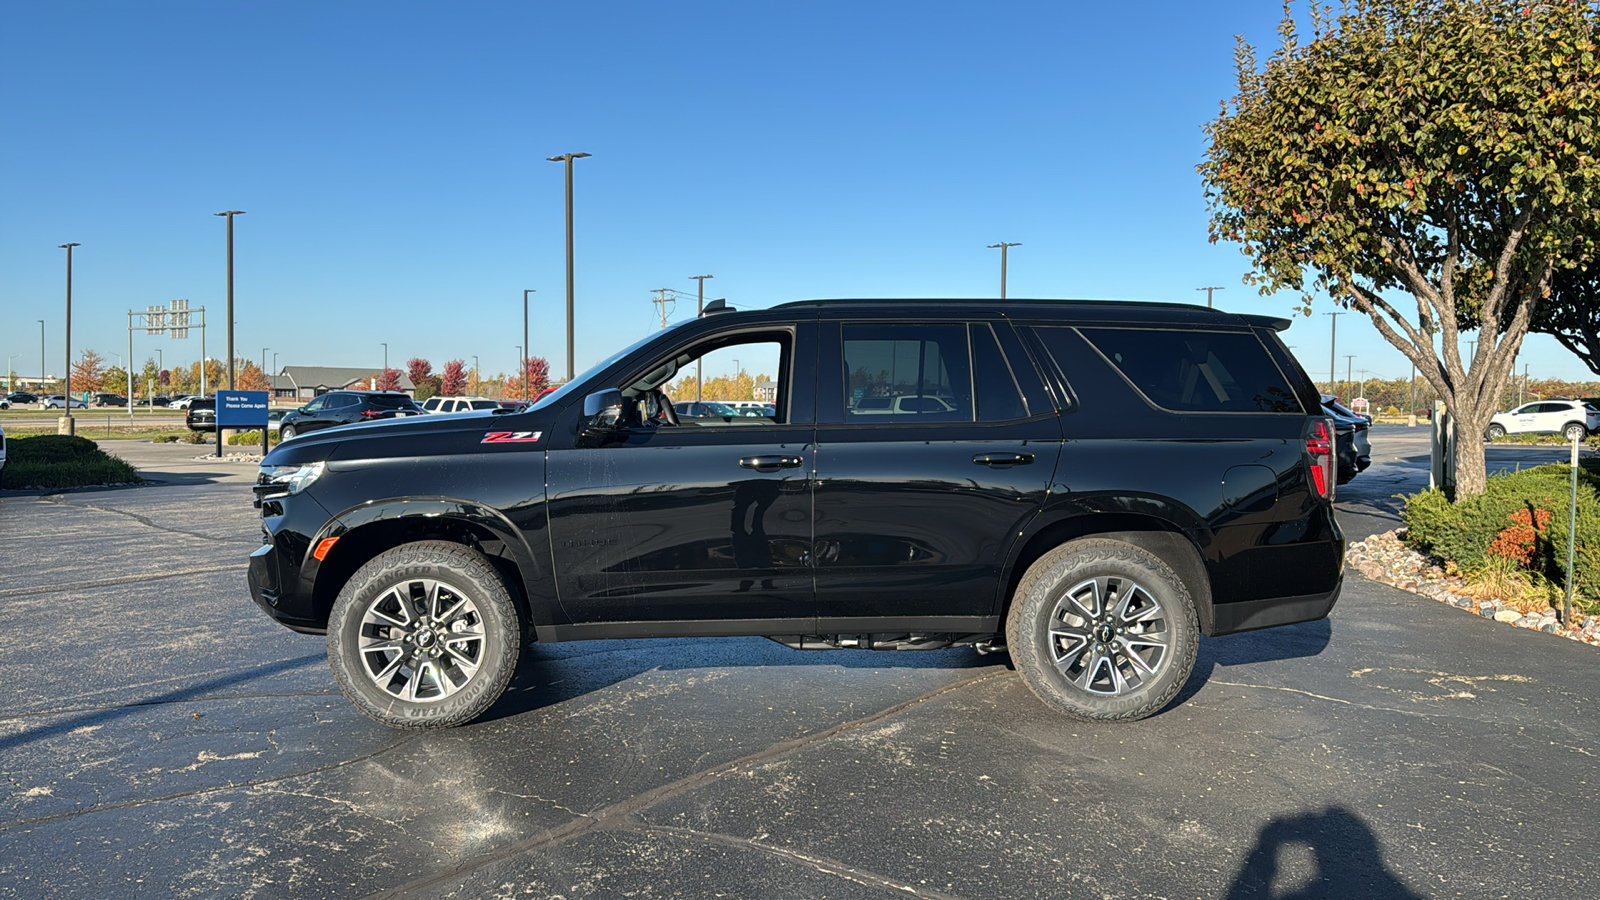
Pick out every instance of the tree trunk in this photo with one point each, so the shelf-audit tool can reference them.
(1471, 421)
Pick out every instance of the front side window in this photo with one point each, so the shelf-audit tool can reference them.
(901, 374)
(705, 378)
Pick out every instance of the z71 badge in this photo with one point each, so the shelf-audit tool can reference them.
(511, 437)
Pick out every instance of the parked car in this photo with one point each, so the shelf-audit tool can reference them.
(158, 401)
(201, 414)
(1354, 443)
(104, 399)
(1103, 483)
(57, 401)
(275, 418)
(901, 405)
(22, 397)
(457, 404)
(706, 409)
(181, 401)
(2, 449)
(347, 407)
(1572, 419)
(5, 403)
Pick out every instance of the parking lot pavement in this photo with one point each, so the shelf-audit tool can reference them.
(158, 734)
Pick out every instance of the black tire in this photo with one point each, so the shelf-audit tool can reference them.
(1496, 431)
(1575, 431)
(1148, 625)
(286, 433)
(424, 636)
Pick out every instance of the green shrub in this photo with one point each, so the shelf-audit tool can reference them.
(196, 437)
(1462, 532)
(250, 438)
(53, 461)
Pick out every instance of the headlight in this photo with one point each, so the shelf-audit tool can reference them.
(282, 481)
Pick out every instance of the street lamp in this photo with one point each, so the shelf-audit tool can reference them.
(474, 373)
(699, 310)
(229, 214)
(1003, 247)
(568, 158)
(383, 377)
(41, 356)
(525, 339)
(66, 373)
(264, 366)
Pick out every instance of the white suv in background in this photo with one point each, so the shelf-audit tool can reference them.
(456, 404)
(1572, 419)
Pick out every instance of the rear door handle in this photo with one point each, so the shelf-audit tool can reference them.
(771, 463)
(1001, 460)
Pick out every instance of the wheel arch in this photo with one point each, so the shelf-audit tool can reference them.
(1155, 535)
(367, 531)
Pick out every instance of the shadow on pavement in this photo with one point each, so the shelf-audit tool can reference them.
(1268, 645)
(101, 716)
(1345, 855)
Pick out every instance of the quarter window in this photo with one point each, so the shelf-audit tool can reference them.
(1196, 371)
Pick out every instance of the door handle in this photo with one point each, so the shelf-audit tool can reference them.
(771, 463)
(1001, 460)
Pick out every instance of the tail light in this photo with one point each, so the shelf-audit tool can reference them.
(1319, 447)
(371, 414)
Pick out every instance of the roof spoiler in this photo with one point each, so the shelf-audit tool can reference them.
(1275, 323)
(715, 307)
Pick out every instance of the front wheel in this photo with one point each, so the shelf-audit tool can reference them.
(286, 433)
(1575, 432)
(1103, 630)
(424, 636)
(1496, 432)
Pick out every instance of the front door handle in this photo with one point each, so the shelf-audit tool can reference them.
(1001, 460)
(771, 463)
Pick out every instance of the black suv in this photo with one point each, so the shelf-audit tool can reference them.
(201, 414)
(346, 408)
(1088, 485)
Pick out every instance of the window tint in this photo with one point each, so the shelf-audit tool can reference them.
(483, 404)
(1197, 371)
(390, 401)
(914, 373)
(996, 387)
(317, 404)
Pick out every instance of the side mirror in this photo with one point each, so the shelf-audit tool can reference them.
(602, 409)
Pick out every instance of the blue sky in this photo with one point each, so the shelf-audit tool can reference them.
(390, 158)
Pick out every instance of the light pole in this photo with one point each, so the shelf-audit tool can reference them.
(475, 373)
(1003, 248)
(525, 339)
(383, 378)
(699, 309)
(264, 368)
(41, 356)
(11, 384)
(229, 215)
(1208, 291)
(1349, 361)
(1333, 343)
(66, 372)
(161, 365)
(568, 158)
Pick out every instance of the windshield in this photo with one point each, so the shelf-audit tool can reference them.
(561, 392)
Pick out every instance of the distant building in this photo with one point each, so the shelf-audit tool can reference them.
(766, 391)
(306, 382)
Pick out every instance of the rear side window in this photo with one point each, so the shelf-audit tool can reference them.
(902, 374)
(1197, 371)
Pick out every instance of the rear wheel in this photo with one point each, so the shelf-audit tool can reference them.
(1574, 432)
(1496, 431)
(1103, 630)
(424, 636)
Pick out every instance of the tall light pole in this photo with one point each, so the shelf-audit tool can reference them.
(229, 214)
(474, 373)
(264, 367)
(525, 344)
(1349, 361)
(41, 356)
(1333, 343)
(699, 309)
(66, 373)
(568, 158)
(1208, 291)
(1003, 246)
(383, 378)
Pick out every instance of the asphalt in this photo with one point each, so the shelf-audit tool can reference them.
(158, 735)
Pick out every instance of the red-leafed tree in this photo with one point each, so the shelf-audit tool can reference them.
(88, 372)
(387, 380)
(454, 380)
(536, 377)
(426, 382)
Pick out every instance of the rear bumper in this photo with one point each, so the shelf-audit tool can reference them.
(1249, 615)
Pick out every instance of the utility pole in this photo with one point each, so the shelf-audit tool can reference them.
(67, 425)
(568, 158)
(525, 343)
(1208, 291)
(1003, 247)
(1333, 343)
(229, 214)
(1411, 397)
(699, 310)
(661, 302)
(1349, 361)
